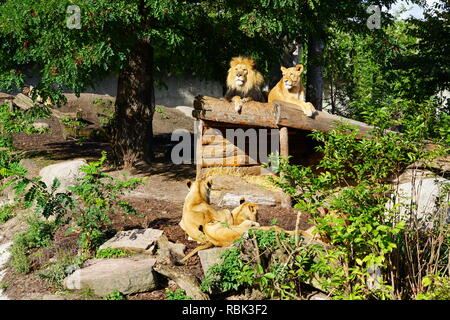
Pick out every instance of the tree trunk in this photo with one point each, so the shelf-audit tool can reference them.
(135, 105)
(314, 85)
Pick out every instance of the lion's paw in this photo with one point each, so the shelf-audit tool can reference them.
(309, 109)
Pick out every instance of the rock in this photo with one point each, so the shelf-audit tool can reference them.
(103, 276)
(186, 281)
(169, 252)
(228, 191)
(423, 194)
(41, 125)
(210, 257)
(4, 257)
(66, 172)
(186, 110)
(413, 174)
(137, 240)
(233, 200)
(317, 295)
(23, 102)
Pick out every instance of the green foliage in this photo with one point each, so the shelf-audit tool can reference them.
(111, 253)
(115, 295)
(56, 272)
(437, 288)
(19, 259)
(7, 212)
(178, 294)
(99, 200)
(72, 122)
(231, 274)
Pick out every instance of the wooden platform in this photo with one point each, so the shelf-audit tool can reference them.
(282, 122)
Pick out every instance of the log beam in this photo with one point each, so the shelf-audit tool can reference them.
(276, 115)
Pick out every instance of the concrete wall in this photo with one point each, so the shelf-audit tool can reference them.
(180, 91)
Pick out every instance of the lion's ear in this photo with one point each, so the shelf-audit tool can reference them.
(188, 183)
(242, 200)
(299, 67)
(283, 69)
(209, 183)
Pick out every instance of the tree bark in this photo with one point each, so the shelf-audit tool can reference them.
(314, 85)
(135, 104)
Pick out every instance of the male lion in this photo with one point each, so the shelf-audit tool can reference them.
(244, 82)
(290, 89)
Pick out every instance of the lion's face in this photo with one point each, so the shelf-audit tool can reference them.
(203, 188)
(240, 74)
(292, 76)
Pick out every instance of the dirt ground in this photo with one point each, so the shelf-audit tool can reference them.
(158, 201)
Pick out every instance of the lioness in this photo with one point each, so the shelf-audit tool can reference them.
(197, 211)
(290, 89)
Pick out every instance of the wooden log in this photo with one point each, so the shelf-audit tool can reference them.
(278, 114)
(286, 201)
(214, 151)
(238, 160)
(284, 142)
(219, 110)
(288, 114)
(199, 146)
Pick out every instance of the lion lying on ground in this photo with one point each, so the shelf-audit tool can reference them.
(220, 228)
(197, 211)
(244, 82)
(291, 89)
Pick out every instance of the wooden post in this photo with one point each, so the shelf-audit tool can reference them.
(199, 148)
(284, 142)
(286, 202)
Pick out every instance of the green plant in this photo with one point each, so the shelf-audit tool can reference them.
(178, 294)
(115, 295)
(437, 288)
(231, 274)
(111, 253)
(351, 185)
(56, 272)
(98, 195)
(72, 122)
(39, 234)
(161, 112)
(4, 285)
(7, 212)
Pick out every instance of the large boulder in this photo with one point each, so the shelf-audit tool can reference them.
(66, 172)
(421, 199)
(103, 276)
(228, 190)
(4, 256)
(135, 240)
(210, 257)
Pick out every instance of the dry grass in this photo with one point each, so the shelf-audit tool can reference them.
(260, 180)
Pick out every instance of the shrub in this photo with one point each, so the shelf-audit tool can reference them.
(98, 194)
(178, 294)
(6, 212)
(111, 253)
(115, 295)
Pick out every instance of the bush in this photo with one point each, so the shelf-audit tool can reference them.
(111, 253)
(6, 212)
(178, 294)
(115, 295)
(98, 194)
(38, 235)
(56, 272)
